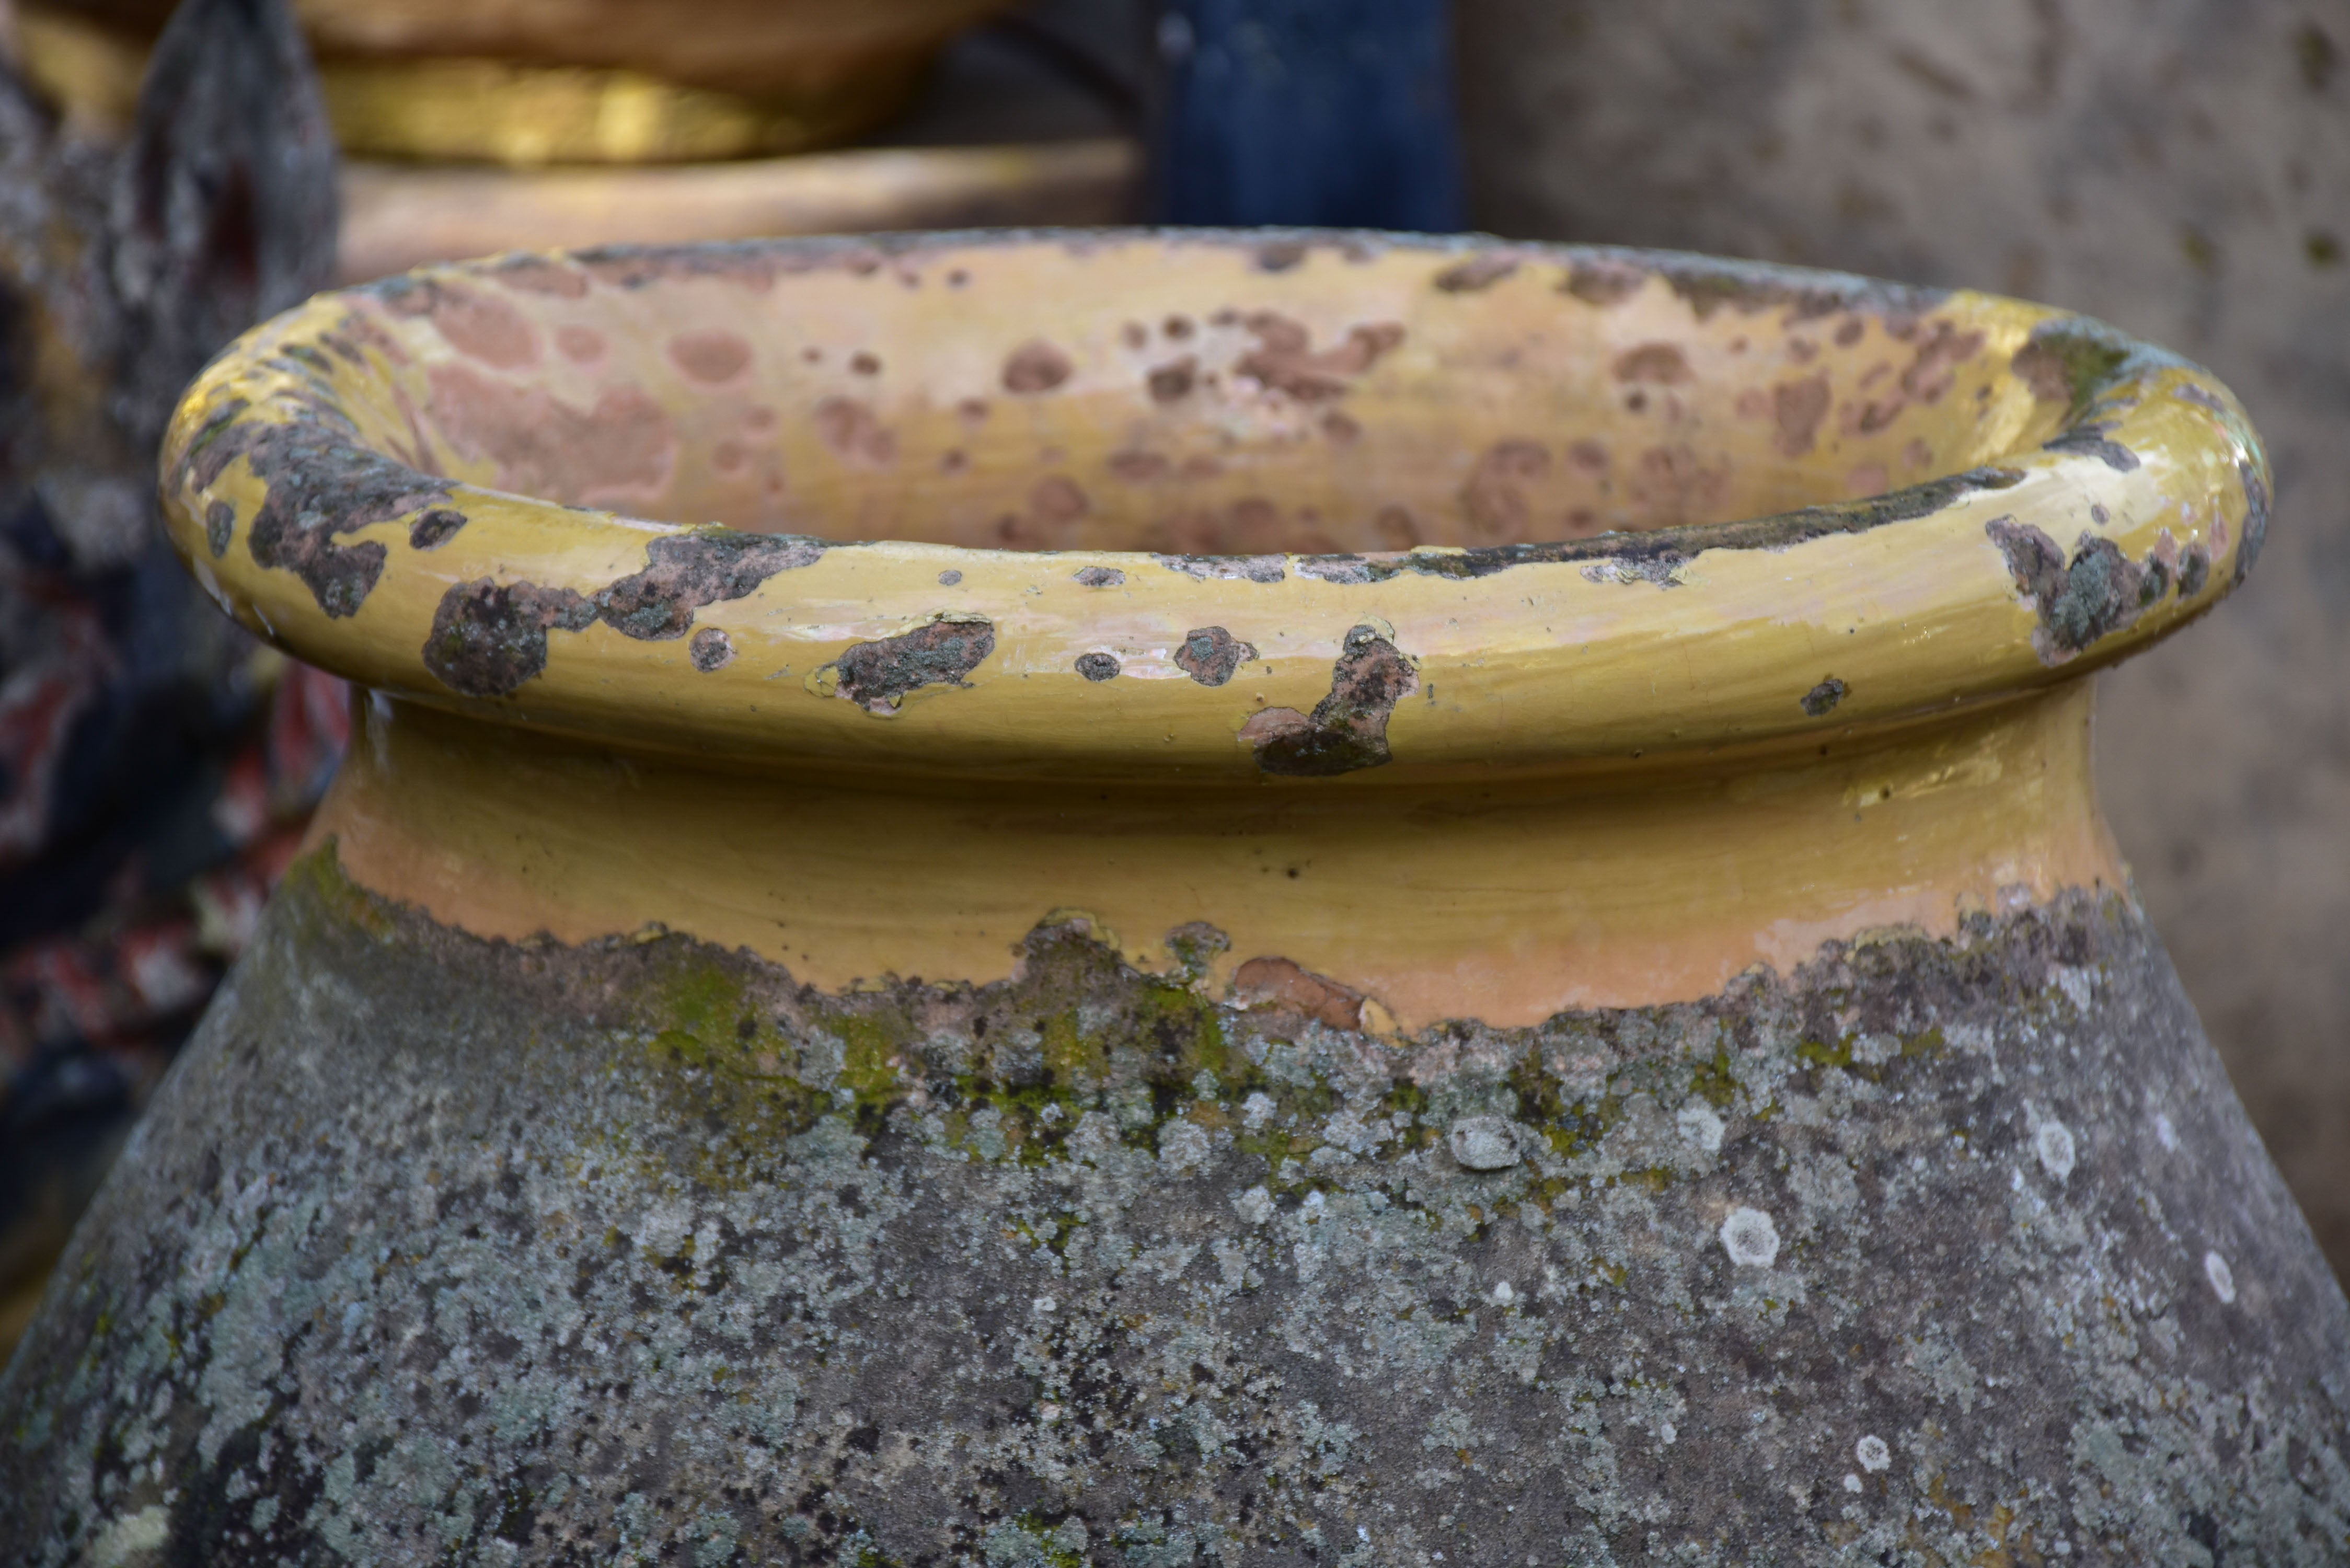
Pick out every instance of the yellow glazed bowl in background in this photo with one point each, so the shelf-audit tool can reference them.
(531, 82)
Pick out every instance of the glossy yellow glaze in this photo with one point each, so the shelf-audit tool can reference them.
(523, 115)
(531, 82)
(1542, 763)
(1503, 902)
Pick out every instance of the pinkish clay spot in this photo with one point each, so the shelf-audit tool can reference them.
(1661, 363)
(1036, 367)
(1056, 500)
(482, 327)
(581, 345)
(1868, 478)
(710, 358)
(621, 450)
(853, 430)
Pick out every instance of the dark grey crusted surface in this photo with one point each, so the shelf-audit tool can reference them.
(435, 1250)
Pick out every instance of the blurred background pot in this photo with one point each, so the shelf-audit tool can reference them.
(473, 130)
(539, 81)
(1408, 896)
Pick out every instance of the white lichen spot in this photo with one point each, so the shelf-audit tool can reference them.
(1504, 1293)
(2053, 1144)
(1254, 1207)
(663, 1228)
(2222, 1278)
(1483, 1143)
(2079, 986)
(1044, 1306)
(1257, 1110)
(1751, 1238)
(133, 1538)
(1701, 1126)
(1667, 1432)
(1851, 1481)
(1937, 1358)
(1094, 1138)
(1182, 1146)
(822, 1057)
(1875, 1050)
(1972, 1038)
(1344, 1129)
(1874, 1453)
(2164, 1133)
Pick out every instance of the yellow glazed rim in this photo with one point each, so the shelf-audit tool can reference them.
(2114, 491)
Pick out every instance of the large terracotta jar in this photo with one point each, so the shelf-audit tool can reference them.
(1240, 899)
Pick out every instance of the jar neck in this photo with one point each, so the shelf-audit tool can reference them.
(1505, 903)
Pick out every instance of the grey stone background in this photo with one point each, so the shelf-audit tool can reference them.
(2180, 168)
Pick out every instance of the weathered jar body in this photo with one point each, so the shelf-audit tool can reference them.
(1311, 952)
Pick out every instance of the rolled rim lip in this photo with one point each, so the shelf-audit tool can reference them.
(2174, 422)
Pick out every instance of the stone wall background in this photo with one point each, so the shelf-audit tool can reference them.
(2180, 168)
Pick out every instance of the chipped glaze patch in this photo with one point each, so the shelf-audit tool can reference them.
(1210, 655)
(1822, 698)
(686, 572)
(1347, 729)
(878, 676)
(435, 528)
(2098, 592)
(489, 638)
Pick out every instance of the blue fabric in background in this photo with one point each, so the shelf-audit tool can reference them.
(1325, 112)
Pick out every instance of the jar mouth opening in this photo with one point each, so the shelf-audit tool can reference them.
(1034, 470)
(1156, 395)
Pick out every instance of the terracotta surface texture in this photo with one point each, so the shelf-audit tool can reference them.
(2182, 168)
